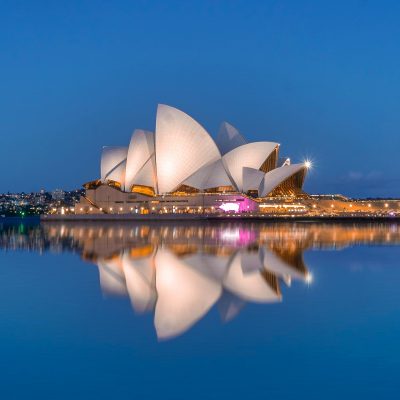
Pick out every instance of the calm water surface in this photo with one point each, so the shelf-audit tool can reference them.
(199, 311)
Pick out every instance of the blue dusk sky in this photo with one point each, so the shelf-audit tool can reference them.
(321, 78)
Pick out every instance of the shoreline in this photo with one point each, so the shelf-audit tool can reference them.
(191, 218)
(186, 217)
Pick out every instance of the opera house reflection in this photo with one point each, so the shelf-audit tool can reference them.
(180, 271)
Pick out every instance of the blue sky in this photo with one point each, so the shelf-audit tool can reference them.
(321, 78)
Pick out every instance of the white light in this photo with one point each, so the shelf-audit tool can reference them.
(230, 235)
(230, 207)
(309, 278)
(308, 164)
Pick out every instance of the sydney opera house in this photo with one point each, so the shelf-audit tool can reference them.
(181, 169)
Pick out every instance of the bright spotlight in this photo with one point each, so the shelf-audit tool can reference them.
(308, 164)
(309, 278)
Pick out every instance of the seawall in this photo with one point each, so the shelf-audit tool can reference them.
(202, 217)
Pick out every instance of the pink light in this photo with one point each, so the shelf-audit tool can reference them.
(229, 207)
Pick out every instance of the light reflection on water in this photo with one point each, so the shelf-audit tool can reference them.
(180, 271)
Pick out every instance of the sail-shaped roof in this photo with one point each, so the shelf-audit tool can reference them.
(184, 295)
(147, 174)
(140, 282)
(182, 145)
(113, 163)
(250, 286)
(274, 178)
(140, 151)
(252, 178)
(229, 138)
(251, 155)
(209, 176)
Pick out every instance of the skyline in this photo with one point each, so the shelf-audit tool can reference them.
(320, 79)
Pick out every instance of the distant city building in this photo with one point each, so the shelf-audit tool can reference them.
(42, 202)
(58, 194)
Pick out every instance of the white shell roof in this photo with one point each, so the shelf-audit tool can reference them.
(113, 163)
(140, 282)
(212, 266)
(209, 176)
(228, 138)
(112, 279)
(147, 175)
(141, 148)
(251, 155)
(252, 178)
(250, 261)
(184, 295)
(182, 145)
(118, 174)
(248, 286)
(273, 178)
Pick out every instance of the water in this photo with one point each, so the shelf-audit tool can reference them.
(199, 311)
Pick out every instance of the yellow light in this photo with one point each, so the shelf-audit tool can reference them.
(120, 209)
(351, 205)
(386, 205)
(110, 208)
(369, 205)
(314, 206)
(332, 206)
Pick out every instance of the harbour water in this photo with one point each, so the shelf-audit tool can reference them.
(199, 310)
